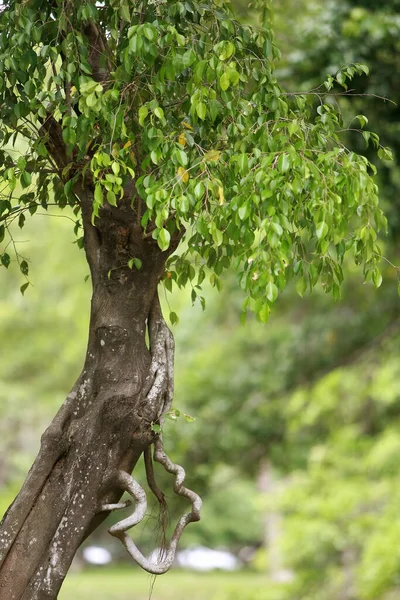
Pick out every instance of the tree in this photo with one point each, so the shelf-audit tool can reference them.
(162, 128)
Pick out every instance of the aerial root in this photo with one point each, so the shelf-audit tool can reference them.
(128, 484)
(159, 494)
(160, 390)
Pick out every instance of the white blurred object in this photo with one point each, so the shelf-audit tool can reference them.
(205, 559)
(95, 555)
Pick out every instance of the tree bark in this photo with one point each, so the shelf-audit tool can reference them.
(106, 421)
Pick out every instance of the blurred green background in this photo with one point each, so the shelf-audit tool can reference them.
(296, 443)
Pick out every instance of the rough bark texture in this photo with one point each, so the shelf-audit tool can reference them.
(104, 424)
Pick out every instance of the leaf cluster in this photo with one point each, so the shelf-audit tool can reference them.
(174, 108)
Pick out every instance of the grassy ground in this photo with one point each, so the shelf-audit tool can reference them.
(131, 584)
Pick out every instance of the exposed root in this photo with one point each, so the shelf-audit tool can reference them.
(119, 505)
(128, 484)
(158, 400)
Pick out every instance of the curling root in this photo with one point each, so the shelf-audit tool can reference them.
(127, 483)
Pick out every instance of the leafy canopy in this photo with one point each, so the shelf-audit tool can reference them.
(181, 100)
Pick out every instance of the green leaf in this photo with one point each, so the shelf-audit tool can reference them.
(181, 157)
(91, 100)
(143, 112)
(189, 418)
(243, 163)
(12, 180)
(377, 278)
(321, 230)
(201, 110)
(173, 317)
(301, 286)
(135, 262)
(188, 58)
(124, 13)
(150, 33)
(277, 228)
(183, 202)
(224, 82)
(111, 198)
(244, 211)
(271, 291)
(366, 135)
(263, 314)
(21, 163)
(173, 414)
(218, 237)
(199, 190)
(341, 78)
(227, 51)
(159, 113)
(363, 120)
(385, 154)
(69, 136)
(5, 260)
(24, 267)
(164, 238)
(24, 287)
(283, 163)
(98, 194)
(25, 179)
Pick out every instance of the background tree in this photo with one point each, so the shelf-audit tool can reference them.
(160, 126)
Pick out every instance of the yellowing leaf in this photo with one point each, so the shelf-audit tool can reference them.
(212, 155)
(183, 174)
(221, 195)
(73, 90)
(187, 125)
(115, 150)
(182, 139)
(127, 144)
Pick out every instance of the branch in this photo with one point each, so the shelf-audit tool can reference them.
(92, 239)
(51, 131)
(98, 48)
(127, 483)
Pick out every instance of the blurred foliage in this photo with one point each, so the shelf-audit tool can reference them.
(43, 341)
(317, 38)
(316, 391)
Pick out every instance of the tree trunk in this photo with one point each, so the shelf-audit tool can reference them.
(106, 421)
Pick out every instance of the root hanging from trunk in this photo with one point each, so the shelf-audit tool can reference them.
(160, 496)
(160, 381)
(128, 484)
(159, 396)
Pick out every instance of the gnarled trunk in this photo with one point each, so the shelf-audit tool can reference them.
(106, 421)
